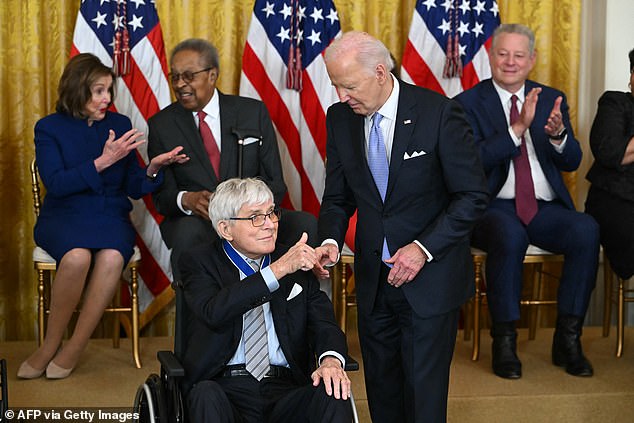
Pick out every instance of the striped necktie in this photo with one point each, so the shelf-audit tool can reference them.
(256, 347)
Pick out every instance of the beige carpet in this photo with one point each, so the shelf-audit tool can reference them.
(107, 378)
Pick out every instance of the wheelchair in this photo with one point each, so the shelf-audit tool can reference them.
(159, 399)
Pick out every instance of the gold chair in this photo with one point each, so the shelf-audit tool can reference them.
(621, 295)
(535, 257)
(341, 298)
(46, 266)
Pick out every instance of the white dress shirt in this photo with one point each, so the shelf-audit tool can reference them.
(212, 109)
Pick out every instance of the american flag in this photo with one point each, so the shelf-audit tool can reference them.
(448, 43)
(283, 66)
(107, 28)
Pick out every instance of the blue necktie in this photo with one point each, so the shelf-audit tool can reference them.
(377, 156)
(377, 160)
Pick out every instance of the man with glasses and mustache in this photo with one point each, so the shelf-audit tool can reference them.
(203, 120)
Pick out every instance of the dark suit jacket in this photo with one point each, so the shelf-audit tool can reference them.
(217, 299)
(612, 130)
(490, 129)
(434, 198)
(174, 126)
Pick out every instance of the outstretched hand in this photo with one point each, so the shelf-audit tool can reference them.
(115, 150)
(167, 159)
(327, 257)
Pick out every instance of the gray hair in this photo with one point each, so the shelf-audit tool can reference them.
(515, 28)
(208, 52)
(370, 52)
(234, 193)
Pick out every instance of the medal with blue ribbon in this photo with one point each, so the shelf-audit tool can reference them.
(240, 262)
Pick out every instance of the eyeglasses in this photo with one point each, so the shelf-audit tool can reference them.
(258, 220)
(186, 76)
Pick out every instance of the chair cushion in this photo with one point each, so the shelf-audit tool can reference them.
(536, 251)
(530, 251)
(136, 255)
(40, 255)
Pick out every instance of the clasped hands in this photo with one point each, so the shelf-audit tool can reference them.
(554, 125)
(116, 149)
(406, 262)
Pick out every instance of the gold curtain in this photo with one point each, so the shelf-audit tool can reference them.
(35, 40)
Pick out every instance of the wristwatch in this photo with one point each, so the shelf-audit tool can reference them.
(560, 136)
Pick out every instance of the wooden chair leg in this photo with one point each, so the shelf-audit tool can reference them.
(607, 295)
(339, 294)
(536, 296)
(620, 324)
(134, 281)
(116, 303)
(477, 299)
(40, 306)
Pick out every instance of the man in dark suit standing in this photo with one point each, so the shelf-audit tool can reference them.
(525, 139)
(259, 321)
(212, 147)
(402, 156)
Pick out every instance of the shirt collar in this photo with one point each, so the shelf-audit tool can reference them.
(213, 107)
(505, 96)
(389, 108)
(247, 259)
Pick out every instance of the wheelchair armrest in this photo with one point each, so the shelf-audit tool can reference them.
(351, 364)
(170, 364)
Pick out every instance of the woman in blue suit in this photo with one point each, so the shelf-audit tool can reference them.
(87, 160)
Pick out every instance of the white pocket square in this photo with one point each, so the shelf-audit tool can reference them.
(414, 154)
(294, 292)
(250, 140)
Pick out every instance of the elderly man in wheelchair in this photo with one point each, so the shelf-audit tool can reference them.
(261, 343)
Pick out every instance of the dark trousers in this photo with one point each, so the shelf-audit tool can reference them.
(243, 399)
(615, 217)
(406, 358)
(555, 228)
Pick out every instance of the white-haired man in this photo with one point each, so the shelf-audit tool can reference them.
(260, 321)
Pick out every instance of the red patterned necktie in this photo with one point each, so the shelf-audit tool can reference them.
(210, 143)
(525, 201)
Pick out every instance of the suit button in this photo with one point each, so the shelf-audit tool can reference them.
(376, 253)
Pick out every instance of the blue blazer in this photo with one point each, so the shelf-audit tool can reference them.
(490, 130)
(434, 196)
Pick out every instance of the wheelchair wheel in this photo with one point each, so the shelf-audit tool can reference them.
(150, 400)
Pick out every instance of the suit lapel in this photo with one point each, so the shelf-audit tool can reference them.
(493, 105)
(184, 121)
(357, 136)
(228, 142)
(402, 133)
